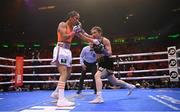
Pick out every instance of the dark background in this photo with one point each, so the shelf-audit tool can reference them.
(35, 21)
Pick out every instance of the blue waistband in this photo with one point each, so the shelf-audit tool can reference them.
(64, 45)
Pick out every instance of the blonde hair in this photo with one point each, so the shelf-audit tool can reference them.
(97, 28)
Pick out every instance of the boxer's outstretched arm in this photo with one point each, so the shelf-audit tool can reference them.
(88, 38)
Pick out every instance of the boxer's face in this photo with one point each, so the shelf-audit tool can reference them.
(95, 33)
(75, 19)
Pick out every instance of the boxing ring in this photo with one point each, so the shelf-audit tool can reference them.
(144, 98)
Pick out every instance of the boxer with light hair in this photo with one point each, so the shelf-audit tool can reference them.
(62, 56)
(105, 64)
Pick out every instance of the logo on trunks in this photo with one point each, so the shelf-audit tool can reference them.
(173, 74)
(171, 51)
(172, 62)
(63, 61)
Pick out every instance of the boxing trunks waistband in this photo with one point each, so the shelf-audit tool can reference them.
(105, 62)
(64, 45)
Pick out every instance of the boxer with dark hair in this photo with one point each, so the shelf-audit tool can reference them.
(62, 56)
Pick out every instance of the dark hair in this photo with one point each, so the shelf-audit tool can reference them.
(97, 28)
(72, 14)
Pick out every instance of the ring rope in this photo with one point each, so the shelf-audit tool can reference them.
(90, 80)
(77, 58)
(78, 74)
(124, 55)
(126, 62)
(141, 54)
(142, 61)
(7, 66)
(7, 59)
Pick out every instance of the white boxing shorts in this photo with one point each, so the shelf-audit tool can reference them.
(62, 56)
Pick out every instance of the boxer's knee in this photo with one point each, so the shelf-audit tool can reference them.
(98, 75)
(112, 80)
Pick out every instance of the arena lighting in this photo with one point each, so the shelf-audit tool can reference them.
(85, 43)
(119, 41)
(152, 37)
(20, 45)
(5, 46)
(74, 43)
(36, 45)
(140, 38)
(46, 7)
(174, 36)
(175, 10)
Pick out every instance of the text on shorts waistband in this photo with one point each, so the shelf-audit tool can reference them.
(64, 45)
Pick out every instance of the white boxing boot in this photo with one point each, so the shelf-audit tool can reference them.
(63, 102)
(131, 89)
(54, 95)
(97, 100)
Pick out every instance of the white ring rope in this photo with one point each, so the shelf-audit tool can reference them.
(30, 60)
(47, 66)
(125, 55)
(142, 61)
(7, 66)
(141, 54)
(90, 80)
(7, 59)
(7, 74)
(125, 62)
(78, 74)
(7, 83)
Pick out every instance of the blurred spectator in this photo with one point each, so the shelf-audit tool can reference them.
(131, 69)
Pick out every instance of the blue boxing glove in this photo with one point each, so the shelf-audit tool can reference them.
(77, 29)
